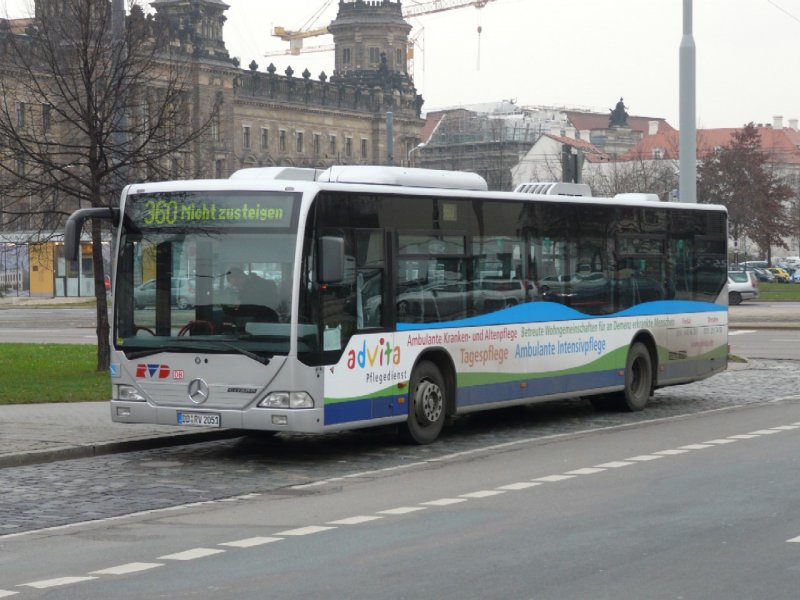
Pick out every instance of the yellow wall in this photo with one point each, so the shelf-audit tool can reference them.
(42, 268)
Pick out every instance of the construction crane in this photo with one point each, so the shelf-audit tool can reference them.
(415, 9)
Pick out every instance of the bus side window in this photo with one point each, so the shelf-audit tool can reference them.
(356, 302)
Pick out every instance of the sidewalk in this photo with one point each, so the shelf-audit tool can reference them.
(37, 433)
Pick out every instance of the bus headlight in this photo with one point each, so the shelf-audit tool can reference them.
(287, 400)
(129, 394)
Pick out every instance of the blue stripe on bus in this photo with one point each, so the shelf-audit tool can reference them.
(539, 312)
(490, 393)
(364, 410)
(486, 394)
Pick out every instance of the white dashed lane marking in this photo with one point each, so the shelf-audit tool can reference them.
(644, 457)
(481, 494)
(445, 502)
(615, 464)
(300, 531)
(795, 540)
(355, 520)
(520, 485)
(586, 471)
(7, 593)
(192, 554)
(251, 542)
(127, 569)
(59, 581)
(554, 478)
(402, 510)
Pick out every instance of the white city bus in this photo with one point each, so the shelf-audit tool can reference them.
(402, 296)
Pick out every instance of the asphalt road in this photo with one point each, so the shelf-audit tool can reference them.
(700, 507)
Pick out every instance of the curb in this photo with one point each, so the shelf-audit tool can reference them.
(34, 457)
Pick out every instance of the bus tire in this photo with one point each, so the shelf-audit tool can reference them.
(638, 379)
(638, 383)
(427, 405)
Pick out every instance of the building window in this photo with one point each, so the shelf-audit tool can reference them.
(300, 145)
(346, 56)
(363, 148)
(215, 135)
(658, 153)
(20, 114)
(20, 164)
(374, 55)
(348, 147)
(398, 58)
(333, 146)
(46, 117)
(246, 136)
(282, 140)
(264, 138)
(317, 144)
(218, 168)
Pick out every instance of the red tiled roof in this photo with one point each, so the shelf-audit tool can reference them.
(783, 144)
(590, 152)
(587, 121)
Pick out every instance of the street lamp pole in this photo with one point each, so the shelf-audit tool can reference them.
(411, 152)
(688, 119)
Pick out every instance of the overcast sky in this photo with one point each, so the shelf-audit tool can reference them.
(575, 53)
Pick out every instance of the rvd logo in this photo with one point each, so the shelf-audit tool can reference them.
(153, 371)
(381, 355)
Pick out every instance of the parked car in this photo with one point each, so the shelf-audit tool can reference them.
(753, 264)
(780, 274)
(740, 287)
(183, 294)
(796, 276)
(764, 275)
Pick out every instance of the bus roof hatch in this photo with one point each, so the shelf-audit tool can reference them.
(402, 176)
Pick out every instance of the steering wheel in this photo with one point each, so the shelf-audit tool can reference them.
(138, 328)
(199, 323)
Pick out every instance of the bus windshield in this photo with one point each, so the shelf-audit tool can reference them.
(206, 271)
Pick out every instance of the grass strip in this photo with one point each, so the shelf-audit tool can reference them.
(778, 292)
(40, 373)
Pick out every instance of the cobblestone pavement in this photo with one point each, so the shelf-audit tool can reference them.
(57, 493)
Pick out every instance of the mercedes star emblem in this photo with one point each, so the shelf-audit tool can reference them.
(198, 391)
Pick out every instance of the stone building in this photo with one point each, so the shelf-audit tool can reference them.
(269, 118)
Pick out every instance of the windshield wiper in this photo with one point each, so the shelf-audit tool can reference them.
(200, 347)
(151, 351)
(264, 360)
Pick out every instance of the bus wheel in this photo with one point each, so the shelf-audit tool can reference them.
(638, 383)
(427, 405)
(638, 379)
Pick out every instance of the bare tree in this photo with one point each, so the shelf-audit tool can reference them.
(90, 102)
(657, 176)
(738, 175)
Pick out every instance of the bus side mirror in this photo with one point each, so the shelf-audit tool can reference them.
(72, 230)
(331, 259)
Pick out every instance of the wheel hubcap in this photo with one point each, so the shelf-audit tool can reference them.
(430, 402)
